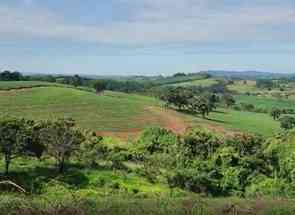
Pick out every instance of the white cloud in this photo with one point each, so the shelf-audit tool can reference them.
(159, 21)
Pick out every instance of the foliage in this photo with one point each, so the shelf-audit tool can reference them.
(61, 140)
(275, 113)
(287, 122)
(156, 139)
(100, 86)
(11, 76)
(13, 139)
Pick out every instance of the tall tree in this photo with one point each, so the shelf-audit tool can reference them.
(13, 138)
(61, 139)
(100, 86)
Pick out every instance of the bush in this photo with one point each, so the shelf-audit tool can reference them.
(156, 139)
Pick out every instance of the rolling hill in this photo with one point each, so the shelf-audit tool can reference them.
(109, 112)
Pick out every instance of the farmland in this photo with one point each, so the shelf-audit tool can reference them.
(200, 82)
(135, 160)
(130, 115)
(88, 109)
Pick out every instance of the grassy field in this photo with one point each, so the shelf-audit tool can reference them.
(243, 86)
(201, 83)
(226, 120)
(119, 112)
(108, 112)
(265, 102)
(9, 85)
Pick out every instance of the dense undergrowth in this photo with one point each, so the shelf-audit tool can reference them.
(67, 170)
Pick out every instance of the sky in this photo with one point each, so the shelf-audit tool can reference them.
(146, 37)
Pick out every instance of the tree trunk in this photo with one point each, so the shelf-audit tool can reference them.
(61, 165)
(7, 163)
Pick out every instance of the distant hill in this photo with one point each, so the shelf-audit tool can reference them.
(247, 74)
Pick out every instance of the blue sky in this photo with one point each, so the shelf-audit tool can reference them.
(146, 37)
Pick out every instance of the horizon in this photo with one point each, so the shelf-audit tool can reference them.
(148, 37)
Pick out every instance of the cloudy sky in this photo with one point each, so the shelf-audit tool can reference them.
(135, 37)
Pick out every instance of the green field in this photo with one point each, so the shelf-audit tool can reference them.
(108, 112)
(226, 120)
(243, 87)
(247, 121)
(9, 85)
(201, 83)
(119, 112)
(266, 102)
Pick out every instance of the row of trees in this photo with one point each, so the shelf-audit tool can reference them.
(195, 100)
(20, 137)
(11, 76)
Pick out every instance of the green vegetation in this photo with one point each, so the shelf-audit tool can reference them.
(159, 166)
(57, 157)
(266, 103)
(201, 82)
(258, 123)
(179, 79)
(10, 85)
(243, 86)
(108, 112)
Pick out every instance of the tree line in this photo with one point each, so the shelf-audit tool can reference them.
(196, 100)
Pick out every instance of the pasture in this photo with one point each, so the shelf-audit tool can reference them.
(226, 121)
(124, 115)
(201, 83)
(111, 113)
(243, 86)
(10, 85)
(266, 102)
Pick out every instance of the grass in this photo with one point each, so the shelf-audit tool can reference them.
(179, 79)
(243, 87)
(266, 102)
(10, 85)
(41, 178)
(225, 120)
(108, 112)
(201, 83)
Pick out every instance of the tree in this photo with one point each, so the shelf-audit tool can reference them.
(100, 86)
(201, 143)
(13, 138)
(77, 80)
(92, 149)
(287, 122)
(275, 113)
(34, 146)
(61, 139)
(228, 100)
(204, 108)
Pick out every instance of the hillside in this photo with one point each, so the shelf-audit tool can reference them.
(246, 74)
(109, 112)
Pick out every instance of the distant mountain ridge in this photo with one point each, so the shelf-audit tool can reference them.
(247, 74)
